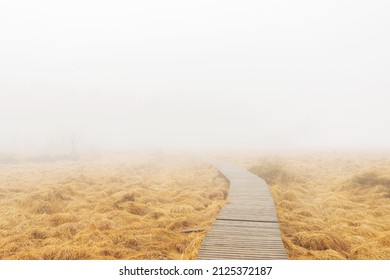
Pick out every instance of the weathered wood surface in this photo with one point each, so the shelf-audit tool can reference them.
(247, 227)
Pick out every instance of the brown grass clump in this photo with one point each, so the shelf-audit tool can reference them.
(113, 207)
(329, 205)
(62, 218)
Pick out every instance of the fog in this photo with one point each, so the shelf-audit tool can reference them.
(135, 75)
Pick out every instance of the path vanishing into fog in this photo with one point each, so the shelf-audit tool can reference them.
(247, 227)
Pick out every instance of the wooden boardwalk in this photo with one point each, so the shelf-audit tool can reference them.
(246, 228)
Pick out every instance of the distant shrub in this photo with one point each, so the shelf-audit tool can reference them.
(370, 179)
(272, 172)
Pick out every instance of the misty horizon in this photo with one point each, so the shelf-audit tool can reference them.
(195, 75)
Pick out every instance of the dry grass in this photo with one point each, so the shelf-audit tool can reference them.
(330, 206)
(107, 208)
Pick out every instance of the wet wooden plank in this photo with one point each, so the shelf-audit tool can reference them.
(247, 227)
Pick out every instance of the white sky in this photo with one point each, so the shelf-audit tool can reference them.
(194, 74)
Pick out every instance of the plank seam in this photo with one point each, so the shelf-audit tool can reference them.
(252, 221)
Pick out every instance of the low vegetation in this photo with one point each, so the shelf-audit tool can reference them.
(330, 206)
(114, 207)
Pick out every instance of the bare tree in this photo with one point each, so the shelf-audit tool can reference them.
(74, 141)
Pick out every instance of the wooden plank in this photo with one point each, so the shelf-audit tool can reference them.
(247, 227)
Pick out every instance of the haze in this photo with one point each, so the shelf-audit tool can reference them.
(120, 75)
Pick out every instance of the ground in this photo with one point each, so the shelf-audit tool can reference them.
(330, 205)
(107, 207)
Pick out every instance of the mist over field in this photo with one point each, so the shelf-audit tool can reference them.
(119, 75)
(296, 92)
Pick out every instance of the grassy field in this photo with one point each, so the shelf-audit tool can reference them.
(113, 207)
(330, 205)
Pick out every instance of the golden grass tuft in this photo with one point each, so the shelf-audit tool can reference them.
(44, 207)
(61, 218)
(182, 209)
(320, 241)
(272, 171)
(65, 231)
(39, 234)
(371, 179)
(180, 224)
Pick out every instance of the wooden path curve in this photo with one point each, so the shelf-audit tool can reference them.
(246, 228)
